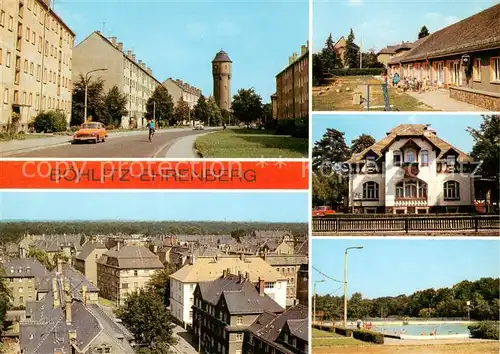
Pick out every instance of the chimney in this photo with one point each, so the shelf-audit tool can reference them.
(120, 46)
(84, 294)
(133, 56)
(67, 292)
(129, 53)
(113, 40)
(242, 257)
(118, 245)
(247, 275)
(290, 60)
(72, 336)
(55, 293)
(261, 286)
(139, 62)
(224, 273)
(303, 50)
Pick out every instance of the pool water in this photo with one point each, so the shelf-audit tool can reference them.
(417, 329)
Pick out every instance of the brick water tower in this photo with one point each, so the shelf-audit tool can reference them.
(221, 72)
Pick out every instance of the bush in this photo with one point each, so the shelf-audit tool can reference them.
(356, 72)
(50, 122)
(484, 330)
(298, 128)
(271, 124)
(368, 336)
(343, 331)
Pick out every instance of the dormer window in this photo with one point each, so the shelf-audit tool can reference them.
(424, 157)
(411, 156)
(396, 158)
(451, 160)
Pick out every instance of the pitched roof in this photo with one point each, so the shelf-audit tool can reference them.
(303, 248)
(131, 257)
(410, 130)
(393, 49)
(210, 268)
(88, 248)
(240, 295)
(478, 32)
(24, 267)
(299, 328)
(222, 57)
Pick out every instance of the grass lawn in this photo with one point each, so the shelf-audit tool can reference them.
(107, 303)
(465, 348)
(326, 97)
(250, 143)
(330, 339)
(317, 333)
(7, 137)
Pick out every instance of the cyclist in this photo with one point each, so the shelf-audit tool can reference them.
(151, 127)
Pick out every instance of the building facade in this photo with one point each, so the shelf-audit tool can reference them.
(292, 87)
(204, 269)
(222, 72)
(395, 51)
(177, 89)
(86, 260)
(411, 170)
(463, 57)
(125, 269)
(21, 276)
(35, 63)
(224, 308)
(131, 76)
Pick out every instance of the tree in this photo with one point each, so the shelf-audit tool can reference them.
(247, 106)
(331, 149)
(94, 100)
(328, 57)
(5, 296)
(114, 107)
(181, 111)
(317, 68)
(487, 146)
(50, 122)
(328, 190)
(214, 113)
(41, 257)
(226, 116)
(351, 52)
(267, 112)
(161, 106)
(424, 32)
(370, 60)
(160, 282)
(201, 111)
(361, 142)
(145, 316)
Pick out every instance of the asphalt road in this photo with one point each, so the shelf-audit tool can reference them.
(124, 146)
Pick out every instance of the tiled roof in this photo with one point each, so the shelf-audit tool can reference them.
(410, 130)
(24, 267)
(221, 57)
(88, 248)
(132, 257)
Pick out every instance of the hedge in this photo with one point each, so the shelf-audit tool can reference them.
(344, 331)
(356, 72)
(368, 336)
(484, 330)
(298, 128)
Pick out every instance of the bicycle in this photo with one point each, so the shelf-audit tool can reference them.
(151, 134)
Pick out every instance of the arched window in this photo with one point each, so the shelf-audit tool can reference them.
(370, 190)
(424, 157)
(451, 190)
(411, 188)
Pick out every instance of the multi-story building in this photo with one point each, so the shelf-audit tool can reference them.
(35, 62)
(285, 333)
(224, 308)
(203, 269)
(125, 269)
(86, 260)
(131, 76)
(177, 89)
(411, 170)
(292, 87)
(21, 276)
(222, 72)
(63, 321)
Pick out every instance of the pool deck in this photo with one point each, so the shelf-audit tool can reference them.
(391, 341)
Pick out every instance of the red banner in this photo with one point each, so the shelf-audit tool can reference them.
(199, 174)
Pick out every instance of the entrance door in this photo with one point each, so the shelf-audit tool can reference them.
(455, 73)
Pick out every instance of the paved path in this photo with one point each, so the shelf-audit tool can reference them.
(440, 100)
(183, 346)
(184, 147)
(134, 144)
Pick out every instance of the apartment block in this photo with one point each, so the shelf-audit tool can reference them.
(291, 99)
(86, 260)
(35, 62)
(123, 69)
(21, 276)
(125, 269)
(177, 89)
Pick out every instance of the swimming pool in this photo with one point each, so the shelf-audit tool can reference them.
(445, 329)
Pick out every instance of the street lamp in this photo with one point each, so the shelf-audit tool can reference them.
(314, 298)
(468, 311)
(345, 281)
(86, 89)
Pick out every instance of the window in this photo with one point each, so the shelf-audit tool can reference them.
(11, 23)
(7, 59)
(135, 273)
(476, 70)
(239, 320)
(6, 96)
(1, 56)
(495, 69)
(2, 18)
(28, 34)
(25, 66)
(424, 157)
(411, 156)
(125, 286)
(451, 190)
(370, 190)
(411, 189)
(269, 285)
(396, 158)
(239, 337)
(450, 160)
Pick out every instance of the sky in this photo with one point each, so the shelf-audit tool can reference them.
(157, 206)
(451, 128)
(179, 39)
(379, 23)
(391, 267)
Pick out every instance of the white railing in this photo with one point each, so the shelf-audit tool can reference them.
(410, 203)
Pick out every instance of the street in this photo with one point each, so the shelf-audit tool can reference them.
(124, 146)
(183, 345)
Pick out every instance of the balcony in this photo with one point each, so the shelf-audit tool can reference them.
(411, 169)
(410, 202)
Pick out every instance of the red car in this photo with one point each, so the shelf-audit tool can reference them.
(322, 211)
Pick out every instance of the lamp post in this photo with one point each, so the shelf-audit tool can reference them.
(468, 311)
(86, 89)
(314, 298)
(345, 281)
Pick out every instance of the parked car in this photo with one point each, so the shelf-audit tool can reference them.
(322, 211)
(198, 127)
(92, 131)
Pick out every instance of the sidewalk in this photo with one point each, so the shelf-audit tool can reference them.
(440, 100)
(184, 147)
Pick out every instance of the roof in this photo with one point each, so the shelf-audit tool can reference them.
(210, 268)
(131, 257)
(303, 248)
(410, 130)
(478, 32)
(240, 295)
(24, 268)
(269, 326)
(88, 248)
(286, 259)
(393, 49)
(222, 57)
(46, 7)
(51, 243)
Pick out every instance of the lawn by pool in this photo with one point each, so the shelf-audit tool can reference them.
(250, 143)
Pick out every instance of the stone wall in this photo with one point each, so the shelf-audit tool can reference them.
(483, 99)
